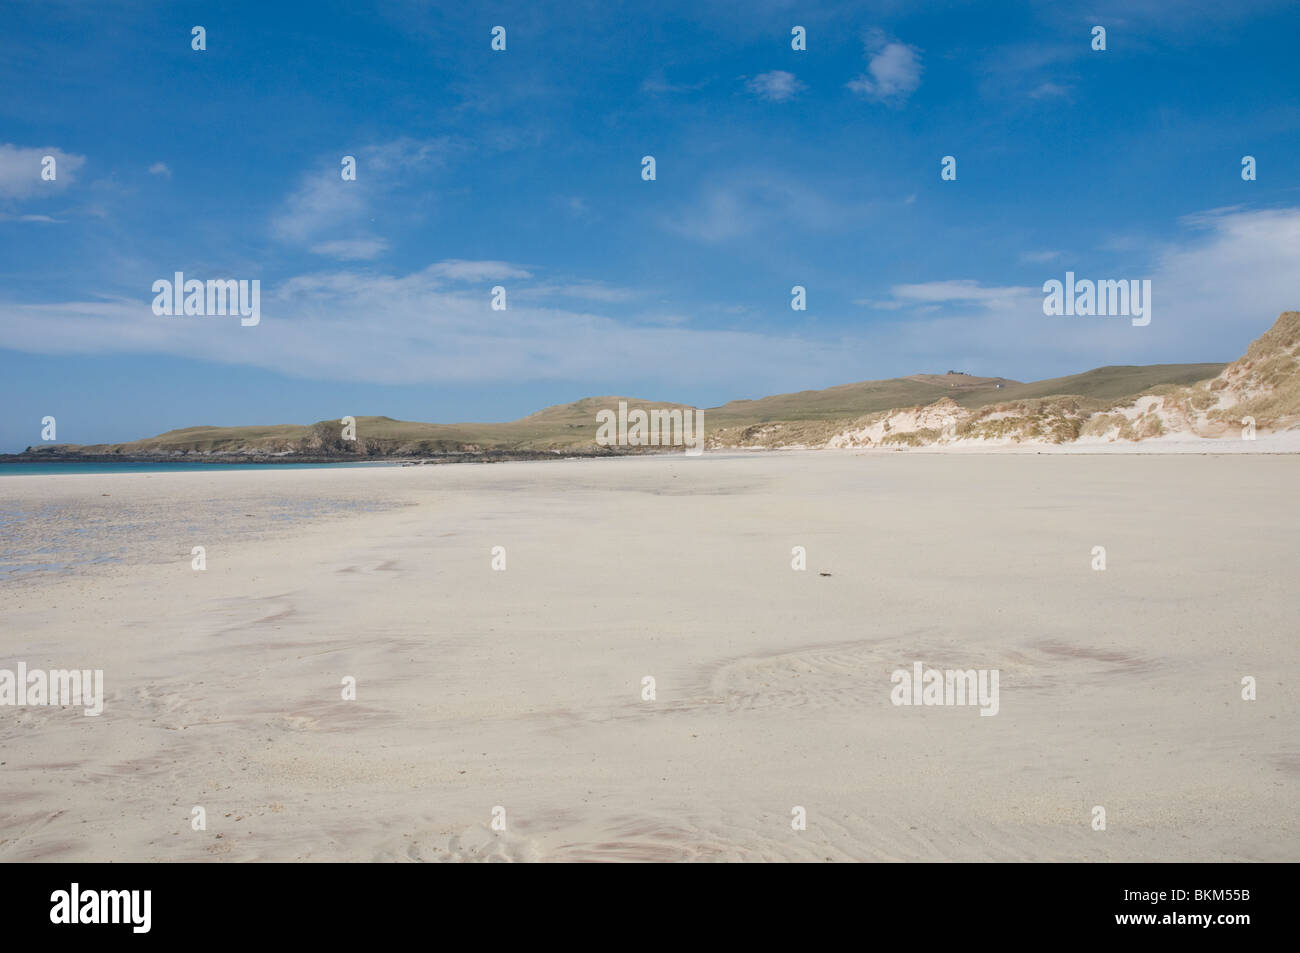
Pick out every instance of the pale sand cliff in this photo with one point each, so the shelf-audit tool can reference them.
(1255, 398)
(522, 688)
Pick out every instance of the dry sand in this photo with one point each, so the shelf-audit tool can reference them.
(522, 688)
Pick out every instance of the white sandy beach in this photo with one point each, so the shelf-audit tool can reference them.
(522, 688)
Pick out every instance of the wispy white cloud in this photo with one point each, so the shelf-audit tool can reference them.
(1218, 286)
(747, 205)
(776, 86)
(364, 249)
(20, 171)
(458, 269)
(1037, 70)
(597, 291)
(929, 297)
(893, 70)
(1049, 91)
(324, 204)
(1213, 290)
(960, 289)
(576, 206)
(657, 85)
(160, 168)
(413, 328)
(40, 219)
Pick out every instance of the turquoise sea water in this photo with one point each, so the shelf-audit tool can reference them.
(63, 466)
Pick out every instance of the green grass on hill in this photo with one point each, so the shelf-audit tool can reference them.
(1102, 383)
(573, 426)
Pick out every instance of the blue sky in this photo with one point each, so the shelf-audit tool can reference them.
(522, 168)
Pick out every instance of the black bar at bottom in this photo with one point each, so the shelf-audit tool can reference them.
(332, 902)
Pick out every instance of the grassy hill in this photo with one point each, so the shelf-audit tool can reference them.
(1102, 383)
(853, 400)
(571, 427)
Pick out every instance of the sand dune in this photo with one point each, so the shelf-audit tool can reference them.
(1258, 392)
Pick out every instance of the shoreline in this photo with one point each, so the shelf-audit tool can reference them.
(486, 456)
(1266, 444)
(1278, 442)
